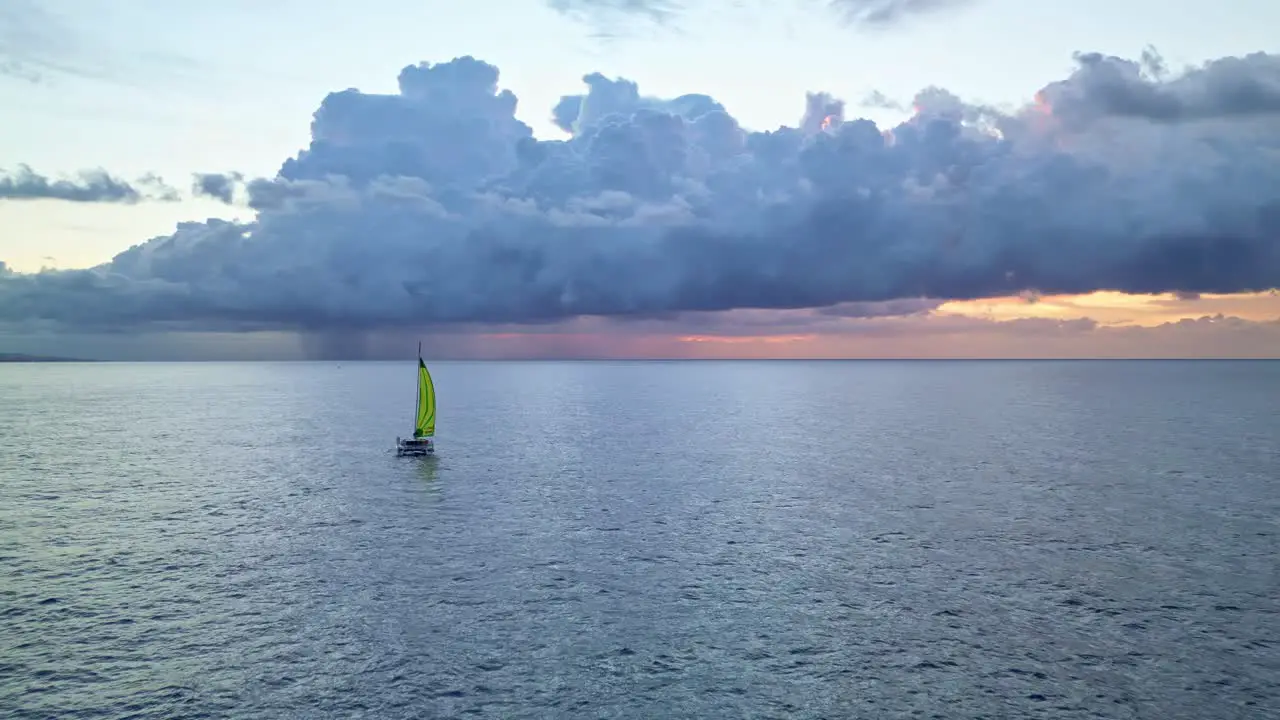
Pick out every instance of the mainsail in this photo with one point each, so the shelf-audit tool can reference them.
(424, 425)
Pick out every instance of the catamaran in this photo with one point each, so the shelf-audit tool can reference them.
(424, 414)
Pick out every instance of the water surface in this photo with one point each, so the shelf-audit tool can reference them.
(641, 540)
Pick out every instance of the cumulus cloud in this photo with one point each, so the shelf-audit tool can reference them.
(436, 205)
(1105, 86)
(92, 186)
(216, 186)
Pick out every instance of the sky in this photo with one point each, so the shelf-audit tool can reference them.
(623, 178)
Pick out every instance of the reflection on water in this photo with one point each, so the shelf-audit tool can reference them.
(428, 469)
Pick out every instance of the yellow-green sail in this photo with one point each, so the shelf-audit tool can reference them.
(425, 423)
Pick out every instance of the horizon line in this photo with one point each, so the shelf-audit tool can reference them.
(88, 361)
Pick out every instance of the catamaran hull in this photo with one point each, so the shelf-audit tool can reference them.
(415, 449)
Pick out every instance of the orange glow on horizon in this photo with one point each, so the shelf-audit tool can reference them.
(746, 339)
(1163, 325)
(1116, 308)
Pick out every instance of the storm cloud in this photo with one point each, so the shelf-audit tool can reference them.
(435, 205)
(92, 186)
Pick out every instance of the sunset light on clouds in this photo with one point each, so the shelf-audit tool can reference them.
(1127, 208)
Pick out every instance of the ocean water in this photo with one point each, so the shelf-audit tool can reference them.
(642, 540)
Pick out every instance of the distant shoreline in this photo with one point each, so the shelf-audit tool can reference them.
(20, 358)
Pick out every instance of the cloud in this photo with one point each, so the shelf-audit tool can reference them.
(216, 186)
(41, 45)
(862, 13)
(435, 205)
(35, 42)
(734, 334)
(1105, 86)
(656, 10)
(888, 12)
(890, 308)
(92, 186)
(877, 99)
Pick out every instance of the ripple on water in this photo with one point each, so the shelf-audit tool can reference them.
(1054, 540)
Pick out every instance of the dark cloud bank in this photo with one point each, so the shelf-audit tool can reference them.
(436, 205)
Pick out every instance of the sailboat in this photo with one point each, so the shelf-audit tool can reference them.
(424, 416)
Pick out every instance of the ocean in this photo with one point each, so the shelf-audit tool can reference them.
(961, 539)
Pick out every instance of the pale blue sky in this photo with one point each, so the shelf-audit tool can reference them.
(186, 87)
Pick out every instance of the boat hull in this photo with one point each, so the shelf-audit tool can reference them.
(415, 447)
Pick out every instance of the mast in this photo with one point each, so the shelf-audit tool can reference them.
(417, 396)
